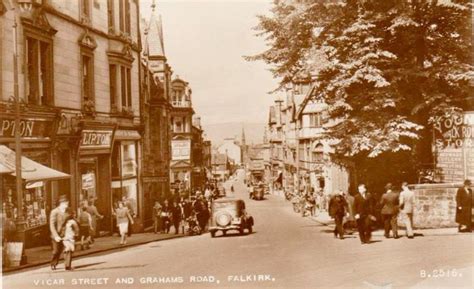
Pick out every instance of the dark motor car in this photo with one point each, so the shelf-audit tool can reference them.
(229, 214)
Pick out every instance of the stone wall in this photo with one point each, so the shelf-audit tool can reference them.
(435, 205)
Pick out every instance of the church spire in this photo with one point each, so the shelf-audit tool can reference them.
(243, 135)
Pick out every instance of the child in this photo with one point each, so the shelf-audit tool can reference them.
(85, 227)
(71, 230)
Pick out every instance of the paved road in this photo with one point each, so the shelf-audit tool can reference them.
(288, 251)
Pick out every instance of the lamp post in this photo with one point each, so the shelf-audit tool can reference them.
(25, 6)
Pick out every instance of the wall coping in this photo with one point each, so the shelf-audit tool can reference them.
(436, 186)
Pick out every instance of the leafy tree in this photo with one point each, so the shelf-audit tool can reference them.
(391, 66)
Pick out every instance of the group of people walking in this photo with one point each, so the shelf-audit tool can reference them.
(360, 211)
(166, 215)
(65, 226)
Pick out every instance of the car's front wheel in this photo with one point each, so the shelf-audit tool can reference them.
(213, 234)
(250, 229)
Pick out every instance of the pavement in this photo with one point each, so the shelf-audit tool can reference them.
(42, 255)
(284, 251)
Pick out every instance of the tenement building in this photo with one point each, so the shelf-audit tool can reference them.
(79, 83)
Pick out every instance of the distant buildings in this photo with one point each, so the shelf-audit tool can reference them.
(232, 149)
(300, 155)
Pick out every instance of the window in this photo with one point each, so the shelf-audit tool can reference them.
(315, 120)
(126, 88)
(113, 86)
(124, 16)
(110, 13)
(85, 9)
(39, 84)
(87, 79)
(125, 185)
(179, 126)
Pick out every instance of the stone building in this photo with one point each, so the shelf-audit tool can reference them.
(156, 111)
(181, 125)
(79, 81)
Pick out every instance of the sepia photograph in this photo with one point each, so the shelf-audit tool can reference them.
(237, 144)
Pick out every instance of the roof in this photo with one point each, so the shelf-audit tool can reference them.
(155, 35)
(31, 171)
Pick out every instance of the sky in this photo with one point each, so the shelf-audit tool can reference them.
(205, 41)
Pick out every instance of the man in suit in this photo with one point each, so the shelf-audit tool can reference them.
(364, 213)
(464, 207)
(57, 219)
(407, 199)
(389, 212)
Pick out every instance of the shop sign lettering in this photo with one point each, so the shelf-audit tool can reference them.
(455, 131)
(29, 128)
(96, 139)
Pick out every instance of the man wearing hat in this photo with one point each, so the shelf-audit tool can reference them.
(464, 207)
(57, 219)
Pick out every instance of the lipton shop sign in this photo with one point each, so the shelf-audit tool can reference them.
(96, 139)
(29, 128)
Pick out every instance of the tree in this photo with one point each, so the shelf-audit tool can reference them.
(393, 65)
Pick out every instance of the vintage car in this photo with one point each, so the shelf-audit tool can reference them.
(229, 214)
(258, 192)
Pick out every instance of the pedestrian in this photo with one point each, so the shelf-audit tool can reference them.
(364, 213)
(157, 217)
(407, 198)
(127, 202)
(176, 215)
(389, 212)
(57, 218)
(123, 217)
(464, 200)
(70, 230)
(85, 227)
(165, 217)
(200, 208)
(337, 210)
(350, 220)
(95, 216)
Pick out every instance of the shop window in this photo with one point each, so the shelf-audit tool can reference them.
(129, 160)
(39, 84)
(125, 186)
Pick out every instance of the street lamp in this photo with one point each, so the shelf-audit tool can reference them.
(25, 6)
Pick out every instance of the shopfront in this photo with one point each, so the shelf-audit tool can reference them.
(36, 202)
(94, 173)
(125, 173)
(36, 132)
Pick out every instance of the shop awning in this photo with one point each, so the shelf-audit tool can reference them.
(31, 171)
(4, 169)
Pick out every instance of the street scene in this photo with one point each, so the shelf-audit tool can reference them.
(290, 251)
(236, 144)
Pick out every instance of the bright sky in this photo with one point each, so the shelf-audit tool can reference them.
(204, 43)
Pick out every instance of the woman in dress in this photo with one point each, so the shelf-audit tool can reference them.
(71, 230)
(123, 217)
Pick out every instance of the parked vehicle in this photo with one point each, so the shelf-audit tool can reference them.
(229, 214)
